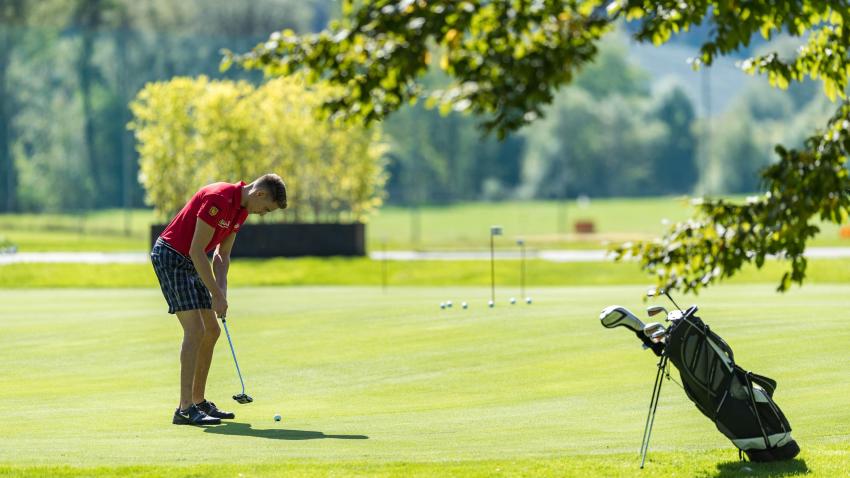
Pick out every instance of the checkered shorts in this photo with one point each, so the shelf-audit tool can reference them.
(181, 285)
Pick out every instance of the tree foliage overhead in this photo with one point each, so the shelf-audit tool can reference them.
(506, 58)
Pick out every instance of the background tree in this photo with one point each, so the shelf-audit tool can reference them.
(506, 58)
(607, 134)
(13, 14)
(192, 132)
(675, 167)
(70, 68)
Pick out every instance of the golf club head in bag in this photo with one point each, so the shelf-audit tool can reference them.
(619, 316)
(654, 331)
(654, 310)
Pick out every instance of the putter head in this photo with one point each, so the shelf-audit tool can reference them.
(242, 398)
(619, 316)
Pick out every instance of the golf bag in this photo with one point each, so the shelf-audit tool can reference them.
(739, 402)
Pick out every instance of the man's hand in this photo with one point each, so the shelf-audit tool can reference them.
(219, 304)
(203, 235)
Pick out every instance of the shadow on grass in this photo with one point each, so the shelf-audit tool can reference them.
(737, 469)
(244, 429)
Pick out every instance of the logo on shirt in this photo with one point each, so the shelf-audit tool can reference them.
(223, 224)
(213, 210)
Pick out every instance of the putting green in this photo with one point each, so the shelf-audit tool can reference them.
(390, 385)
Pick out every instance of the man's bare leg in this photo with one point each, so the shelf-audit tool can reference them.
(205, 352)
(193, 335)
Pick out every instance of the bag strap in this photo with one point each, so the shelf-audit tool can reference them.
(768, 384)
(752, 394)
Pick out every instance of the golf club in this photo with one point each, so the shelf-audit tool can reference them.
(650, 329)
(654, 310)
(617, 316)
(241, 398)
(655, 332)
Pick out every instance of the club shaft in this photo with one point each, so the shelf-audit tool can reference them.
(233, 352)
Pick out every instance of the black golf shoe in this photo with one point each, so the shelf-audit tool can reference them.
(193, 416)
(210, 409)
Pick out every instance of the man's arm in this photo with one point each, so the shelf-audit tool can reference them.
(203, 234)
(221, 262)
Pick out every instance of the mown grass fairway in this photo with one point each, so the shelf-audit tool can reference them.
(366, 272)
(390, 385)
(543, 224)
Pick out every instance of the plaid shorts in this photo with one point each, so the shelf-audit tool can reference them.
(181, 285)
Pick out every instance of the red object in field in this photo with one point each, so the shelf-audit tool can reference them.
(585, 227)
(844, 232)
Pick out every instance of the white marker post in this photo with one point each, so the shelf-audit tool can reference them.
(521, 243)
(494, 231)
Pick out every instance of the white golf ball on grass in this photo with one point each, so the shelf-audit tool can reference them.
(277, 418)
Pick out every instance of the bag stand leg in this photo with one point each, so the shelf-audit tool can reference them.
(653, 405)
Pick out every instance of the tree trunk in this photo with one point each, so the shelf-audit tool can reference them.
(127, 169)
(89, 19)
(8, 33)
(7, 170)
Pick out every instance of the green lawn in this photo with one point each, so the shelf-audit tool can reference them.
(106, 231)
(544, 225)
(373, 384)
(361, 271)
(52, 241)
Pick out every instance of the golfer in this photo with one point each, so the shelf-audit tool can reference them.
(196, 291)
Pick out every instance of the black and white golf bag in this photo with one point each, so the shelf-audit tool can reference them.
(739, 402)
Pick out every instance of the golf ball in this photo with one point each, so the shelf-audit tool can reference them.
(449, 304)
(442, 305)
(490, 303)
(513, 301)
(528, 300)
(464, 305)
(277, 418)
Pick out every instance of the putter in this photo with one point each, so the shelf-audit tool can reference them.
(618, 316)
(241, 398)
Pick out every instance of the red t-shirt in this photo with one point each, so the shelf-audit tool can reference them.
(217, 205)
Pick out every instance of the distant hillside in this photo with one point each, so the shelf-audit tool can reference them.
(669, 63)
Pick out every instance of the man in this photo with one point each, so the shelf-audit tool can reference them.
(195, 290)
